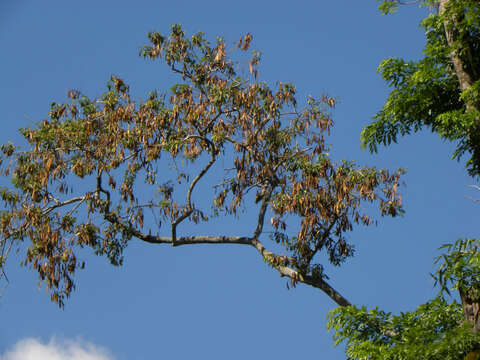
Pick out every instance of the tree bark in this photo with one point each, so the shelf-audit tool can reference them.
(465, 78)
(471, 310)
(283, 270)
(467, 75)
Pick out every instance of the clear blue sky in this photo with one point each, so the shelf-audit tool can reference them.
(224, 302)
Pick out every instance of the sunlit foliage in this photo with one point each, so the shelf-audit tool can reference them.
(82, 180)
(440, 91)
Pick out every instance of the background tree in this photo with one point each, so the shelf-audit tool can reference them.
(112, 143)
(440, 91)
(435, 330)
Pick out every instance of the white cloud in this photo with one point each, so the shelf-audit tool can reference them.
(33, 349)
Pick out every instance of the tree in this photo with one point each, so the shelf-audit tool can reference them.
(214, 115)
(435, 330)
(440, 91)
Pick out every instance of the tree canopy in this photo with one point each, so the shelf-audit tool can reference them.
(442, 90)
(437, 329)
(140, 162)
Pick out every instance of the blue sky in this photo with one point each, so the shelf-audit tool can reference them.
(224, 302)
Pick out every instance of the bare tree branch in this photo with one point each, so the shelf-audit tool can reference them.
(477, 188)
(261, 214)
(316, 282)
(189, 208)
(47, 210)
(269, 256)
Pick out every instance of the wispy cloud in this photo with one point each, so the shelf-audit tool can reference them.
(33, 349)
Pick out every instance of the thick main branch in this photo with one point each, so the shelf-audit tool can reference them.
(316, 282)
(293, 274)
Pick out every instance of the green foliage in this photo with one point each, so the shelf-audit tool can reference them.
(431, 92)
(388, 6)
(422, 94)
(433, 331)
(460, 268)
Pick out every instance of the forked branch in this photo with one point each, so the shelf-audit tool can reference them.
(189, 209)
(270, 257)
